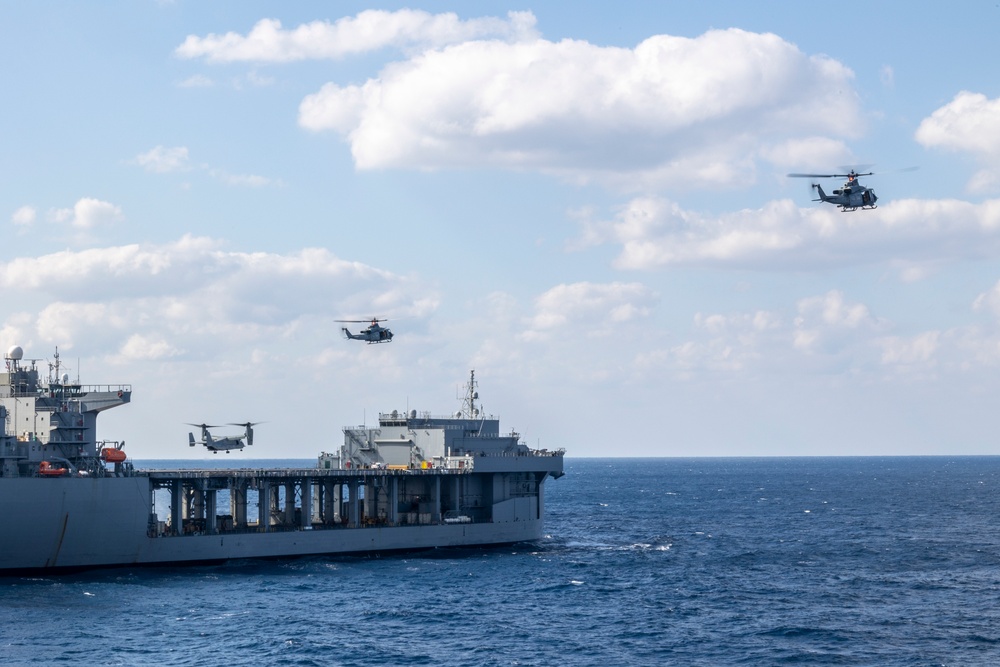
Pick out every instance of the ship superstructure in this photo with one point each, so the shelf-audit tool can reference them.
(50, 423)
(488, 477)
(71, 501)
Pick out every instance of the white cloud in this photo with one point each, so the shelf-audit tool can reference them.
(87, 214)
(656, 233)
(139, 347)
(918, 349)
(191, 297)
(728, 343)
(826, 334)
(196, 81)
(804, 152)
(165, 160)
(24, 216)
(671, 111)
(829, 335)
(827, 321)
(600, 308)
(259, 80)
(988, 301)
(887, 75)
(970, 123)
(243, 180)
(162, 159)
(370, 30)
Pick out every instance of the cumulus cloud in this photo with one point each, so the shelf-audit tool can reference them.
(162, 159)
(823, 321)
(601, 308)
(720, 342)
(243, 180)
(887, 76)
(918, 349)
(970, 123)
(829, 333)
(196, 81)
(370, 30)
(654, 232)
(190, 296)
(87, 214)
(988, 301)
(24, 216)
(672, 110)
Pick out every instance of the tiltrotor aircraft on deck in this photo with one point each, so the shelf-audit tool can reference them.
(224, 444)
(850, 196)
(374, 333)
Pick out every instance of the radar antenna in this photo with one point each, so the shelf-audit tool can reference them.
(469, 409)
(54, 366)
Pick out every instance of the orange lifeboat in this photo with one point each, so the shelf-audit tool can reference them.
(112, 455)
(46, 469)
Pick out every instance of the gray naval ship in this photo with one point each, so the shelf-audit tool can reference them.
(415, 481)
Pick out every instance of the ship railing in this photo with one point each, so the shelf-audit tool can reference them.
(72, 390)
(162, 476)
(424, 417)
(198, 527)
(503, 453)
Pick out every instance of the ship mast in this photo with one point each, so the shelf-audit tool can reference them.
(56, 365)
(469, 410)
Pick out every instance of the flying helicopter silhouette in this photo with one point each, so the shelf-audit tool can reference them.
(226, 443)
(851, 196)
(373, 333)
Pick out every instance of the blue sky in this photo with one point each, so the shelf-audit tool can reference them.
(587, 204)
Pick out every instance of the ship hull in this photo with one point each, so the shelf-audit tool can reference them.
(79, 523)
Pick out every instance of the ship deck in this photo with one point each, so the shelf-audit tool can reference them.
(165, 475)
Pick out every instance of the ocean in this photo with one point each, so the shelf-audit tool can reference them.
(738, 561)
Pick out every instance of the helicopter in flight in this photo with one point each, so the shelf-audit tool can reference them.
(224, 444)
(373, 333)
(851, 196)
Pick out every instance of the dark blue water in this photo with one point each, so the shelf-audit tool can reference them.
(838, 561)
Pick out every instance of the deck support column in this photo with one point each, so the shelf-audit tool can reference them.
(263, 506)
(197, 501)
(436, 512)
(371, 501)
(211, 520)
(305, 519)
(338, 502)
(289, 514)
(177, 507)
(238, 504)
(393, 515)
(327, 506)
(354, 502)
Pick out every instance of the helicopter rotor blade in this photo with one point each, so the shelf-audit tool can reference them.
(855, 173)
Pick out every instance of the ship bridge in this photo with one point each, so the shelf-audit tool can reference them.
(52, 419)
